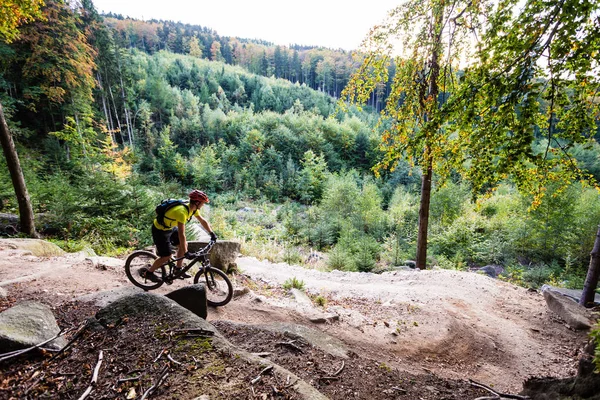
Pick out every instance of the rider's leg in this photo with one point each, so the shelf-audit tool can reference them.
(158, 262)
(163, 247)
(174, 240)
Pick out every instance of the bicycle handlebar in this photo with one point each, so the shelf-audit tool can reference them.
(204, 250)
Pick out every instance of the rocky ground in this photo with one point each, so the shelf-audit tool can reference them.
(406, 334)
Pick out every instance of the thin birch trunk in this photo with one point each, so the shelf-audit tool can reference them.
(26, 216)
(593, 274)
(108, 121)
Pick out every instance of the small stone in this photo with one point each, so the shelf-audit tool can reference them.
(240, 291)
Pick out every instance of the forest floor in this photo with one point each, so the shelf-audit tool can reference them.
(410, 334)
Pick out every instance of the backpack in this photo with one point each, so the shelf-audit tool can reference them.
(166, 205)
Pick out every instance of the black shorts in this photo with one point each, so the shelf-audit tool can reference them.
(165, 240)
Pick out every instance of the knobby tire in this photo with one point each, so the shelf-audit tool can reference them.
(206, 275)
(137, 260)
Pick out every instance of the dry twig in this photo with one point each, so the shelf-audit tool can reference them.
(76, 336)
(263, 354)
(497, 395)
(193, 331)
(336, 373)
(12, 354)
(159, 355)
(133, 378)
(291, 345)
(163, 375)
(173, 360)
(261, 373)
(94, 377)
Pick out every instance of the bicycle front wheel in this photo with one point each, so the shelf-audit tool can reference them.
(219, 289)
(134, 268)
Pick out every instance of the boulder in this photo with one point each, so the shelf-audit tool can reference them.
(192, 297)
(301, 297)
(151, 305)
(28, 324)
(222, 256)
(488, 270)
(575, 315)
(9, 224)
(574, 294)
(38, 248)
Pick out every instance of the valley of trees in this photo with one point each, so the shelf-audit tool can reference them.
(111, 115)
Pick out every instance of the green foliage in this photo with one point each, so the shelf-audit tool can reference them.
(595, 335)
(294, 283)
(537, 275)
(320, 301)
(206, 169)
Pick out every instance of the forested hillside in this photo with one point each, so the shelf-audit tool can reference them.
(326, 70)
(110, 115)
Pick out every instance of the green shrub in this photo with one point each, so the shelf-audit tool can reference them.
(320, 301)
(339, 259)
(293, 283)
(538, 275)
(291, 255)
(595, 335)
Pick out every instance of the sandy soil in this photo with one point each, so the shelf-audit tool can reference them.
(454, 324)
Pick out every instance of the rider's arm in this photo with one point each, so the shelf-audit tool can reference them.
(204, 223)
(182, 241)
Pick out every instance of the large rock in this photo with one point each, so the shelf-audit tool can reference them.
(151, 305)
(574, 294)
(575, 315)
(191, 297)
(28, 324)
(38, 248)
(222, 256)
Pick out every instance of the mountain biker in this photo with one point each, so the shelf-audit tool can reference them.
(173, 233)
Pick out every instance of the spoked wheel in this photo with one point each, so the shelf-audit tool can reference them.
(219, 289)
(134, 267)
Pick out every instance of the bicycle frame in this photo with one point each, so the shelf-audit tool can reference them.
(200, 256)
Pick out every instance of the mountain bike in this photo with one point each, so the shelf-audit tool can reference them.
(219, 289)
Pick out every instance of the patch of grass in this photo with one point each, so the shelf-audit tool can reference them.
(385, 367)
(320, 301)
(293, 283)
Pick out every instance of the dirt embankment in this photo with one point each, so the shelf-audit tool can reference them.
(453, 324)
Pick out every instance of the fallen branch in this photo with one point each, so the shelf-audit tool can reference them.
(193, 331)
(290, 344)
(173, 360)
(328, 378)
(163, 375)
(34, 384)
(261, 373)
(497, 395)
(263, 354)
(76, 336)
(16, 353)
(133, 378)
(94, 377)
(336, 373)
(399, 389)
(159, 355)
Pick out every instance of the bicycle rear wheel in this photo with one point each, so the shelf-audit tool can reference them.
(219, 289)
(134, 267)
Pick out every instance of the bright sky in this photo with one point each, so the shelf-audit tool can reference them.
(330, 23)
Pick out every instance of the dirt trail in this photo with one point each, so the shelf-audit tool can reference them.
(455, 324)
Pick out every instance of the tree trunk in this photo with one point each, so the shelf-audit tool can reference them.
(424, 216)
(591, 281)
(432, 93)
(103, 97)
(16, 175)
